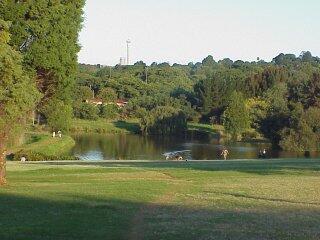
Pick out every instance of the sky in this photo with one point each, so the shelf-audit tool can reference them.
(183, 31)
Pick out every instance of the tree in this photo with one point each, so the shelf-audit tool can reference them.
(47, 33)
(163, 120)
(86, 111)
(109, 111)
(108, 95)
(236, 117)
(18, 93)
(208, 61)
(83, 93)
(57, 113)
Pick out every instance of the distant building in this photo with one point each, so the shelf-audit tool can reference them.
(121, 103)
(95, 101)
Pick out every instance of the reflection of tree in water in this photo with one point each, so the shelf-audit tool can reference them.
(202, 146)
(117, 146)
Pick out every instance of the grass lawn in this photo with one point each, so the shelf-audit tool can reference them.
(104, 126)
(45, 144)
(270, 199)
(214, 129)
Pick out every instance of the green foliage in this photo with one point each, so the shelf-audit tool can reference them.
(304, 132)
(86, 111)
(107, 95)
(109, 111)
(83, 93)
(236, 118)
(257, 109)
(59, 115)
(202, 90)
(163, 121)
(35, 156)
(18, 93)
(47, 34)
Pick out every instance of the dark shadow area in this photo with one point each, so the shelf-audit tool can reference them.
(84, 218)
(239, 195)
(206, 129)
(261, 167)
(129, 126)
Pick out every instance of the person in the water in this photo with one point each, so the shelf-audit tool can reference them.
(225, 153)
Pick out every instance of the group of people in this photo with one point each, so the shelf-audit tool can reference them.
(59, 134)
(225, 153)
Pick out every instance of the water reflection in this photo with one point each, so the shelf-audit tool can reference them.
(199, 145)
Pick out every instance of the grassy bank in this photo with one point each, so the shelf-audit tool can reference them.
(213, 129)
(170, 200)
(103, 126)
(250, 135)
(44, 144)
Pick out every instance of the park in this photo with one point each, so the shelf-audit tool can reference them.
(207, 128)
(262, 199)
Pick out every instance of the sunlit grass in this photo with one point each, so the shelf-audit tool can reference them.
(45, 144)
(104, 126)
(271, 199)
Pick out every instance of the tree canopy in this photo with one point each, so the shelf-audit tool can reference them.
(18, 93)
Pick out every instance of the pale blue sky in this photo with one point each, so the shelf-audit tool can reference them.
(188, 30)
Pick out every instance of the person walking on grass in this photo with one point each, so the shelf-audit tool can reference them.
(225, 153)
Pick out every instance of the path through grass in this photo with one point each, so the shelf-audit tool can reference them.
(278, 199)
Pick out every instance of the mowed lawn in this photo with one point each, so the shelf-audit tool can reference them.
(270, 199)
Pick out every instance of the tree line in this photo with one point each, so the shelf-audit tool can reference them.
(38, 64)
(279, 99)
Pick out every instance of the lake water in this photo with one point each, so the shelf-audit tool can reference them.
(193, 145)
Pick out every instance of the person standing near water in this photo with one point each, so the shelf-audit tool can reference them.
(225, 153)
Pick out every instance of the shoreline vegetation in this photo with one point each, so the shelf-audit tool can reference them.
(40, 146)
(104, 126)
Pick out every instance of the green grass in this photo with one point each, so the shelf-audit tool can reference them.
(251, 135)
(214, 129)
(271, 199)
(45, 144)
(104, 126)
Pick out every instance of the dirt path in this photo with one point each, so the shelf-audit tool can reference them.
(138, 223)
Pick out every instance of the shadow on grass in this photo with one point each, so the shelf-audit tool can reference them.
(84, 217)
(261, 167)
(277, 200)
(204, 128)
(128, 126)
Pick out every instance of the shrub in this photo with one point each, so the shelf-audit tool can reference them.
(34, 156)
(85, 111)
(109, 111)
(163, 121)
(58, 114)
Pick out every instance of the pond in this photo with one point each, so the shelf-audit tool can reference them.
(192, 145)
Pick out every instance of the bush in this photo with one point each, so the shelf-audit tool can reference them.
(109, 111)
(85, 111)
(34, 156)
(249, 135)
(163, 121)
(58, 114)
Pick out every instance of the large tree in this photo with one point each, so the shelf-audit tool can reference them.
(236, 119)
(46, 32)
(18, 93)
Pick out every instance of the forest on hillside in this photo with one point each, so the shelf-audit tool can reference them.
(279, 99)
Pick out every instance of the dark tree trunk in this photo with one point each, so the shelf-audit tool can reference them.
(2, 165)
